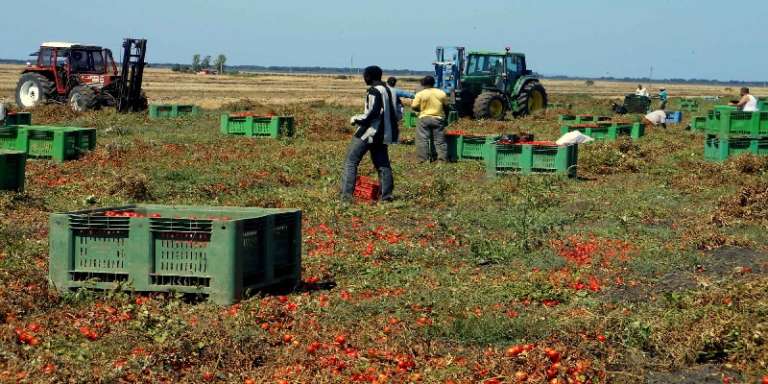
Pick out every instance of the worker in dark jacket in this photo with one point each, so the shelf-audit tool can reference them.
(376, 129)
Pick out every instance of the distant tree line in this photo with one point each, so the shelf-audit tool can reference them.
(204, 64)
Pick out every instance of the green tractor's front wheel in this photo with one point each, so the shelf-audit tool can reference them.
(532, 98)
(490, 105)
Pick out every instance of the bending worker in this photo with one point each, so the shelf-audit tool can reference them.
(430, 135)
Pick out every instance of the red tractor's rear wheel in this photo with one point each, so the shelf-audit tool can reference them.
(32, 90)
(82, 98)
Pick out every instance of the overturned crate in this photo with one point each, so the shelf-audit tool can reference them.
(172, 111)
(250, 125)
(58, 143)
(720, 149)
(531, 157)
(12, 170)
(607, 131)
(462, 146)
(222, 253)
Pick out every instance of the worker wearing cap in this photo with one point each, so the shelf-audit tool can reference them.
(430, 104)
(663, 97)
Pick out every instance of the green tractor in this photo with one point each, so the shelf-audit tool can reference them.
(487, 85)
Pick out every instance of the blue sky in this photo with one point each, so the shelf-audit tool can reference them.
(679, 38)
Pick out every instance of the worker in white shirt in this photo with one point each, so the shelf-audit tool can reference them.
(747, 103)
(641, 91)
(656, 118)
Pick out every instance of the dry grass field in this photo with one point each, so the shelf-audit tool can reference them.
(165, 86)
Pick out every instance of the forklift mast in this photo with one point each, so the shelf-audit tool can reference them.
(449, 67)
(130, 98)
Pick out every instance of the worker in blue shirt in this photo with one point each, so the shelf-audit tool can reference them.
(392, 82)
(663, 97)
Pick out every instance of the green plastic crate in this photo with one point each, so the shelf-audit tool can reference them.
(58, 143)
(607, 132)
(698, 123)
(727, 122)
(462, 147)
(171, 111)
(18, 118)
(720, 149)
(410, 119)
(453, 117)
(219, 252)
(256, 126)
(531, 158)
(12, 170)
(582, 119)
(689, 105)
(13, 138)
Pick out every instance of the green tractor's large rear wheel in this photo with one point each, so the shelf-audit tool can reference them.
(490, 105)
(532, 98)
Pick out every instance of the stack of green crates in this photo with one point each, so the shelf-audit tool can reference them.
(730, 132)
(256, 126)
(528, 158)
(12, 170)
(172, 111)
(608, 131)
(222, 253)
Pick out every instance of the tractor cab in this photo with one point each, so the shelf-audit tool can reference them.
(65, 63)
(494, 71)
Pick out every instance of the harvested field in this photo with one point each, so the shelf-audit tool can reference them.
(650, 267)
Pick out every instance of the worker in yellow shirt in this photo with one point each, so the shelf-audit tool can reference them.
(430, 134)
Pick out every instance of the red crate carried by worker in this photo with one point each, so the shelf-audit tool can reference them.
(367, 189)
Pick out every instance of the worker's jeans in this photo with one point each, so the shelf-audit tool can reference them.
(379, 157)
(430, 139)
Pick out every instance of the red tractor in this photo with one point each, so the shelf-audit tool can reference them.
(84, 77)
